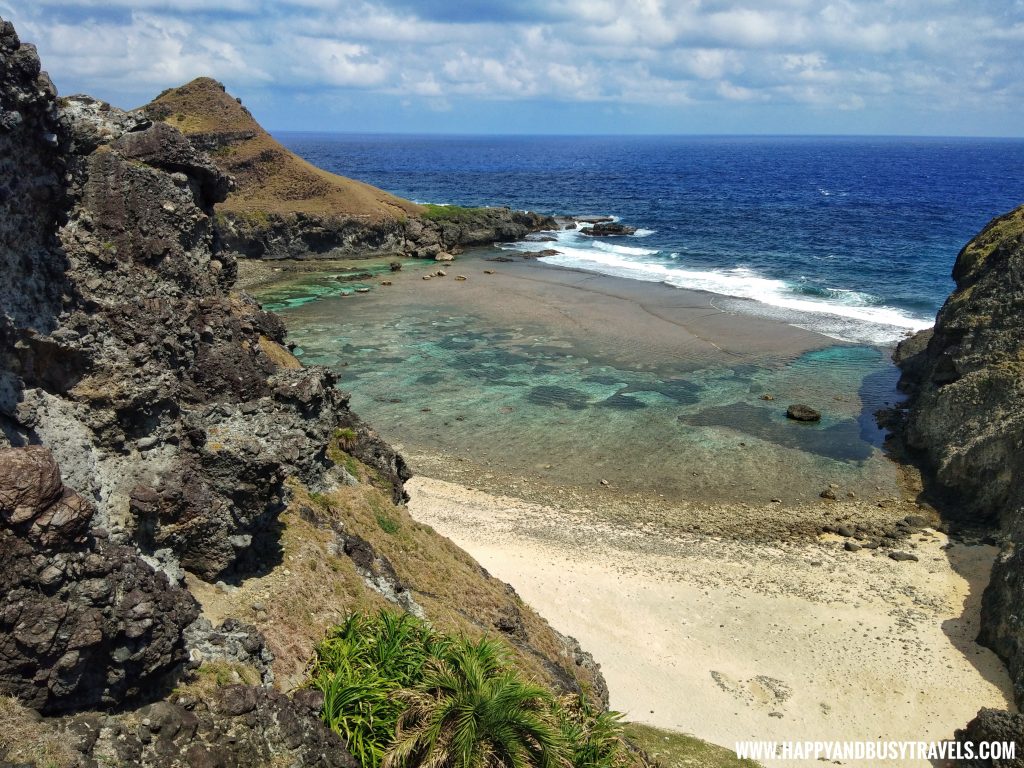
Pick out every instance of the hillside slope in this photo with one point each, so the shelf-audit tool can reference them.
(268, 178)
(283, 207)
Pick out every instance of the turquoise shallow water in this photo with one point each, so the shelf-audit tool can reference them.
(525, 400)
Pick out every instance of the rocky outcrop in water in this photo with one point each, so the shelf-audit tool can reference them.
(310, 236)
(966, 416)
(284, 208)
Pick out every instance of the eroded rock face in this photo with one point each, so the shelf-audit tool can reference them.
(83, 622)
(241, 726)
(967, 383)
(307, 236)
(966, 416)
(176, 413)
(168, 400)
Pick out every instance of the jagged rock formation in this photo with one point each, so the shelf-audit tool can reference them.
(966, 415)
(159, 387)
(195, 443)
(238, 726)
(83, 622)
(283, 207)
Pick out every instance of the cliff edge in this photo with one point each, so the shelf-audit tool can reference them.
(184, 508)
(965, 419)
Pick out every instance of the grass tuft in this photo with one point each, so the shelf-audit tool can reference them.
(27, 738)
(669, 749)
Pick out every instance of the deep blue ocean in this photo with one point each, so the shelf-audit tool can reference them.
(852, 236)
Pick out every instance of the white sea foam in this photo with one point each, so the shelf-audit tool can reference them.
(844, 314)
(626, 250)
(644, 232)
(840, 313)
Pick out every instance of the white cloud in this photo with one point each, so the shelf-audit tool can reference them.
(844, 54)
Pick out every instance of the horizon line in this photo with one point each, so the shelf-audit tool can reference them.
(496, 134)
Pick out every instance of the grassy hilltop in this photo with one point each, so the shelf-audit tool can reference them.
(269, 179)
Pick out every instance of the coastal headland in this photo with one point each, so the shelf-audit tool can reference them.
(190, 504)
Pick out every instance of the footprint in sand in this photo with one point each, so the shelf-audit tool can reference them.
(760, 691)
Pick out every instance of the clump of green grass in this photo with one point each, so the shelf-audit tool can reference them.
(320, 500)
(669, 749)
(342, 441)
(222, 673)
(1001, 233)
(450, 212)
(386, 523)
(346, 437)
(403, 694)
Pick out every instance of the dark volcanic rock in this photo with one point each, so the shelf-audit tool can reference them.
(83, 622)
(966, 416)
(311, 236)
(164, 396)
(607, 229)
(966, 378)
(901, 557)
(993, 725)
(800, 412)
(179, 415)
(233, 641)
(239, 727)
(31, 169)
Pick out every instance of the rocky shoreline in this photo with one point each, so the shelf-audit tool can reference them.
(280, 207)
(964, 422)
(185, 509)
(302, 236)
(161, 452)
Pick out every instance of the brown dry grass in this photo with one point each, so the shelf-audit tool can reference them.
(315, 587)
(270, 179)
(279, 355)
(26, 738)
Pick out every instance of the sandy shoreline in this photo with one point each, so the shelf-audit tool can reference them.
(732, 640)
(718, 611)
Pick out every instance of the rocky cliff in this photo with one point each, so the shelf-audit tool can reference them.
(283, 207)
(184, 508)
(966, 416)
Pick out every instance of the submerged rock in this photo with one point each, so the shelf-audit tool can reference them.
(800, 412)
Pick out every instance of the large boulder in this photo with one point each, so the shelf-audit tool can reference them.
(84, 623)
(238, 726)
(992, 725)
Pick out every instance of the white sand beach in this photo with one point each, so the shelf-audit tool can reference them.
(732, 640)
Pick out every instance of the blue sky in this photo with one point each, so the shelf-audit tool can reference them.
(931, 67)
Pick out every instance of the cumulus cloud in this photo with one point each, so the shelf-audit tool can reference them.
(852, 55)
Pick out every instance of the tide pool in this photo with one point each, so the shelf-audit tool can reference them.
(529, 401)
